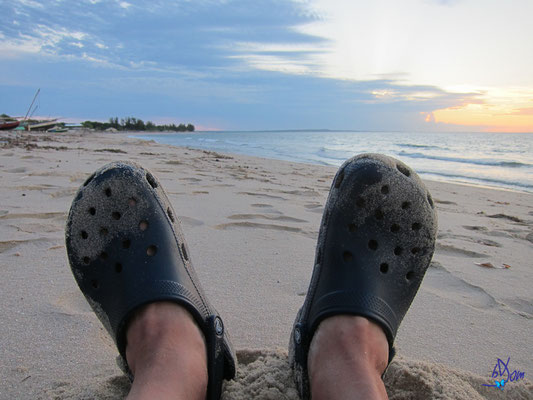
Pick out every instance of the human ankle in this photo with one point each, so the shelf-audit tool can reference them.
(346, 359)
(353, 340)
(160, 328)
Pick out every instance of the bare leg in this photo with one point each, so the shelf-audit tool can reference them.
(166, 353)
(347, 357)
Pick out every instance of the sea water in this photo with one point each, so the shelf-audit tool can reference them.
(501, 160)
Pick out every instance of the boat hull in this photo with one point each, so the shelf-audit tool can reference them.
(4, 126)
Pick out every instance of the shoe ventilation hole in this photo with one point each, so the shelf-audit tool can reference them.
(184, 252)
(116, 215)
(89, 179)
(430, 201)
(126, 244)
(398, 251)
(360, 202)
(132, 202)
(347, 256)
(352, 227)
(86, 260)
(151, 250)
(103, 231)
(108, 192)
(170, 214)
(339, 180)
(415, 250)
(416, 226)
(143, 225)
(84, 235)
(104, 255)
(378, 214)
(395, 228)
(410, 275)
(151, 180)
(373, 244)
(385, 189)
(118, 268)
(92, 211)
(95, 284)
(406, 205)
(384, 268)
(403, 169)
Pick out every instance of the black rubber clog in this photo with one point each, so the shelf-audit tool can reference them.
(126, 249)
(375, 244)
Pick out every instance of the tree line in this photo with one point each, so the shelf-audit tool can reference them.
(135, 124)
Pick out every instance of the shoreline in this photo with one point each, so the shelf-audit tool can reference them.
(251, 224)
(446, 177)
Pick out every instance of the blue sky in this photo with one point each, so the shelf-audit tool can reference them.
(425, 65)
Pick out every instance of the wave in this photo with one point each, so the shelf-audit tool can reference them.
(421, 146)
(486, 181)
(481, 161)
(324, 152)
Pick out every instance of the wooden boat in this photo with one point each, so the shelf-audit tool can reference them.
(57, 129)
(6, 125)
(42, 125)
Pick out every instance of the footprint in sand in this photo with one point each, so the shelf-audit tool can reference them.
(451, 251)
(471, 239)
(443, 283)
(50, 215)
(523, 307)
(72, 303)
(16, 170)
(476, 228)
(507, 217)
(315, 207)
(247, 224)
(38, 227)
(64, 193)
(10, 244)
(445, 202)
(299, 193)
(262, 195)
(261, 205)
(191, 180)
(269, 217)
(188, 221)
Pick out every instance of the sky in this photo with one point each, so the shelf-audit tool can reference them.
(381, 65)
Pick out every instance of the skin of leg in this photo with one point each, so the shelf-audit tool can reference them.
(166, 353)
(347, 356)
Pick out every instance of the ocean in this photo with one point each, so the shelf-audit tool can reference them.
(497, 160)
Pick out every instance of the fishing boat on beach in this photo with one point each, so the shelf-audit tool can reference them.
(57, 129)
(7, 125)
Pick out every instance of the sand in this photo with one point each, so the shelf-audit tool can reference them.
(251, 225)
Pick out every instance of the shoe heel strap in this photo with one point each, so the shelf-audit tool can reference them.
(214, 338)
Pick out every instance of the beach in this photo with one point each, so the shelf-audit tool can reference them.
(251, 225)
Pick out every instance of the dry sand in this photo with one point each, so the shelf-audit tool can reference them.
(251, 225)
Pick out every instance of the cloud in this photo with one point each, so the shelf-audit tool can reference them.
(29, 3)
(524, 111)
(42, 39)
(355, 62)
